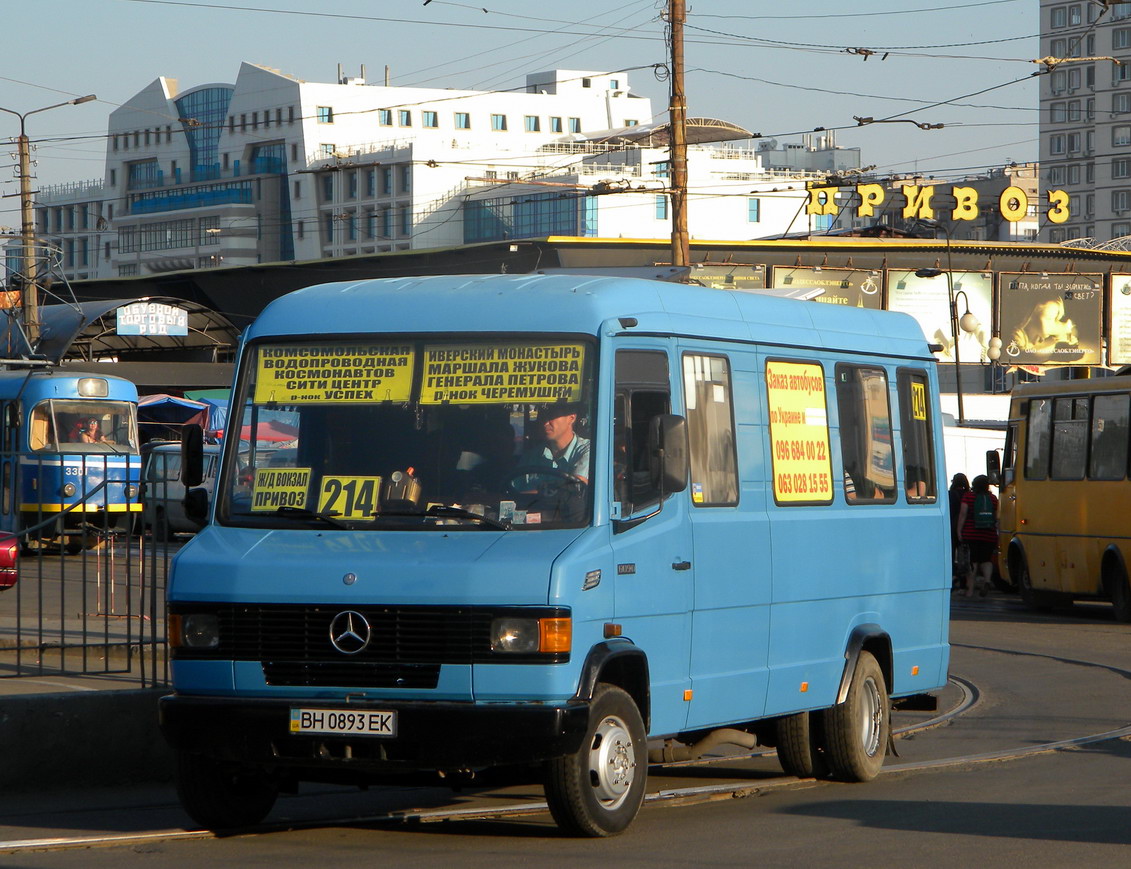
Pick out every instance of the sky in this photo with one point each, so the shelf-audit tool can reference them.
(965, 64)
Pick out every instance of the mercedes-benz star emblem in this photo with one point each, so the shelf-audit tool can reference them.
(350, 632)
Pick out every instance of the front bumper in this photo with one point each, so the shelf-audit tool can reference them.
(431, 735)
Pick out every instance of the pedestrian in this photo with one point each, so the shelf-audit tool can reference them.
(977, 527)
(959, 556)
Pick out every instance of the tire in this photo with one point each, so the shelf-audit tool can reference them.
(857, 731)
(1038, 601)
(1120, 595)
(801, 749)
(220, 795)
(598, 790)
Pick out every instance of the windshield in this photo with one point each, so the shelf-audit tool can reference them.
(418, 434)
(83, 426)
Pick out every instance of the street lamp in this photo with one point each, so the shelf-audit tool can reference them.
(30, 291)
(967, 320)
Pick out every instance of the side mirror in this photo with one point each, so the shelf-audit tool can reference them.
(993, 467)
(192, 455)
(667, 452)
(196, 505)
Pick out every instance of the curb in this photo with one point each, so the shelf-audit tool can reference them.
(95, 738)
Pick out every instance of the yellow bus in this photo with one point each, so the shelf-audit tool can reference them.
(1065, 494)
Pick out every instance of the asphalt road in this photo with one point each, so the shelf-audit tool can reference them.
(999, 785)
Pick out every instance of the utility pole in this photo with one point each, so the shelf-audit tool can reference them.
(681, 250)
(29, 266)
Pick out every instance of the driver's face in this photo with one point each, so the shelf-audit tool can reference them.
(559, 429)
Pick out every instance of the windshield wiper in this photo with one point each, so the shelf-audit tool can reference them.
(303, 513)
(460, 513)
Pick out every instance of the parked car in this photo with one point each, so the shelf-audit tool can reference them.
(163, 493)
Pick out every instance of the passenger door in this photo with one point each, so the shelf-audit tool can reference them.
(730, 619)
(651, 541)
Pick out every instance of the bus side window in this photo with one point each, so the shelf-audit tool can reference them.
(1038, 439)
(642, 393)
(710, 423)
(915, 424)
(865, 434)
(1108, 455)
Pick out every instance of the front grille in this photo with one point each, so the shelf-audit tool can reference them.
(408, 644)
(400, 635)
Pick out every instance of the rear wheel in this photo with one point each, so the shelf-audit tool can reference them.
(221, 795)
(1120, 593)
(800, 745)
(597, 791)
(857, 731)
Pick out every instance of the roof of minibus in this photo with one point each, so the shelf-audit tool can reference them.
(581, 304)
(1081, 386)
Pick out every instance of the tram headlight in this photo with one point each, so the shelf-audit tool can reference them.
(69, 490)
(131, 490)
(94, 387)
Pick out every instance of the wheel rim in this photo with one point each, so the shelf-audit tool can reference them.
(612, 762)
(871, 717)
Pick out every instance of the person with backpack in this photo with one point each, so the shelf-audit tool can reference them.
(977, 528)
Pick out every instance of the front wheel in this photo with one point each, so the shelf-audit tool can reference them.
(220, 795)
(857, 731)
(598, 790)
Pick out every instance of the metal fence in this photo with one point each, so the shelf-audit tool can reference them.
(92, 605)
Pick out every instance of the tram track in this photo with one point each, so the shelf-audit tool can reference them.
(733, 788)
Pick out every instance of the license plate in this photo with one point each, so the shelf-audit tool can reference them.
(344, 722)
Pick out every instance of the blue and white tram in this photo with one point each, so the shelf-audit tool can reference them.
(69, 462)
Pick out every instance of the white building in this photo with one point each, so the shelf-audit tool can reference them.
(272, 168)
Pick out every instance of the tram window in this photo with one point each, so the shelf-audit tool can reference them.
(865, 434)
(41, 434)
(1110, 428)
(915, 423)
(1069, 438)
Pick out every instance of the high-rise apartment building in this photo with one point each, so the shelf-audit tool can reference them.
(1085, 125)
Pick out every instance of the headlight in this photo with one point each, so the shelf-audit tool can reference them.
(131, 490)
(69, 490)
(199, 631)
(516, 635)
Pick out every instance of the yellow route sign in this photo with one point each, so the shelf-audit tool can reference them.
(502, 373)
(335, 373)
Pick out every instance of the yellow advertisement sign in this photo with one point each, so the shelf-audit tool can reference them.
(337, 373)
(502, 373)
(350, 497)
(279, 487)
(799, 432)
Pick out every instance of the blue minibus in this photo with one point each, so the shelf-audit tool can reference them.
(568, 526)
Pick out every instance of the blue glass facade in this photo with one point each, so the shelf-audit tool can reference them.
(268, 160)
(533, 216)
(202, 115)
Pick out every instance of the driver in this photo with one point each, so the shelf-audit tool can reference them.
(564, 449)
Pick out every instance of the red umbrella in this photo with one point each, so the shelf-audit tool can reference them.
(270, 430)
